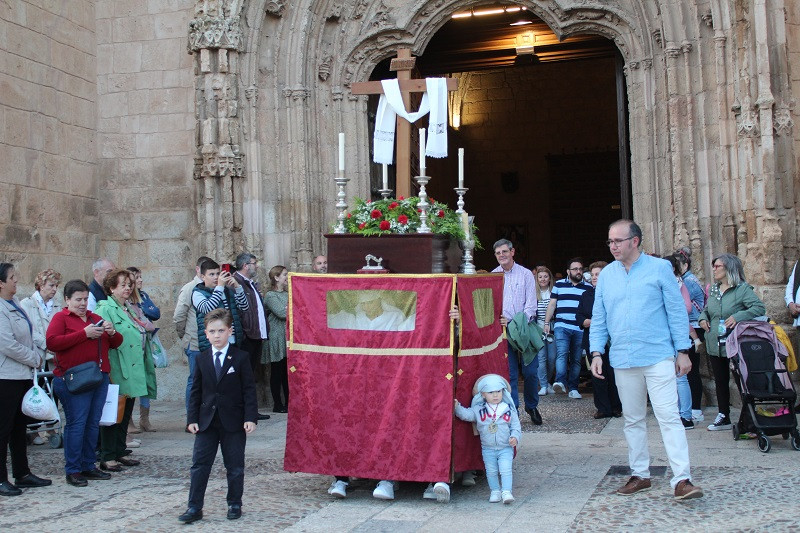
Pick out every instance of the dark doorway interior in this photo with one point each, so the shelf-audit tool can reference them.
(541, 136)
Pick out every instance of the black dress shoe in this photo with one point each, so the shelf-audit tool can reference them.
(616, 414)
(32, 481)
(598, 415)
(8, 489)
(279, 409)
(234, 512)
(536, 417)
(191, 515)
(128, 462)
(95, 474)
(77, 480)
(110, 468)
(262, 417)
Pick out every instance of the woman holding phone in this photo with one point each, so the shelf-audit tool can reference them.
(78, 336)
(131, 366)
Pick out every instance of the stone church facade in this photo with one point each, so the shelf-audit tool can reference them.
(153, 131)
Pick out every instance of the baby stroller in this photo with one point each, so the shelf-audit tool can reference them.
(758, 361)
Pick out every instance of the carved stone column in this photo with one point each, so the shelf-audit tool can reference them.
(215, 40)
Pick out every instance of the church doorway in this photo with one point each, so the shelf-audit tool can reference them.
(544, 127)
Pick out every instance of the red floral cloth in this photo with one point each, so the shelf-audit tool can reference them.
(366, 403)
(482, 351)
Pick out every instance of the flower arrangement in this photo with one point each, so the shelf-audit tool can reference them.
(401, 215)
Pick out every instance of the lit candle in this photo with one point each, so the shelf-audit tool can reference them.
(385, 176)
(460, 168)
(422, 151)
(341, 151)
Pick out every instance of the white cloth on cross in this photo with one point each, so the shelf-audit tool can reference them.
(391, 104)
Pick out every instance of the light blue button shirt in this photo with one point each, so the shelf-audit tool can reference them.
(642, 311)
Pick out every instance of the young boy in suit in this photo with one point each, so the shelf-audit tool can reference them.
(222, 410)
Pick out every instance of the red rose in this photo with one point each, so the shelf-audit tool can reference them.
(419, 210)
(393, 205)
(349, 215)
(440, 214)
(402, 219)
(376, 213)
(401, 198)
(385, 225)
(362, 225)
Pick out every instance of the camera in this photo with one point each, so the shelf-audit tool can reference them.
(548, 337)
(100, 323)
(226, 267)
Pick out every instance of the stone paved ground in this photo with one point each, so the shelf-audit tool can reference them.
(564, 475)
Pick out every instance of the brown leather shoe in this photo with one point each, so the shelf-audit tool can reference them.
(684, 490)
(635, 484)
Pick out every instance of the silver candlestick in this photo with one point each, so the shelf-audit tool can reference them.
(385, 193)
(341, 203)
(468, 244)
(460, 191)
(423, 205)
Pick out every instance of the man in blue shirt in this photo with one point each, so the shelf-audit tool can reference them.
(564, 300)
(639, 308)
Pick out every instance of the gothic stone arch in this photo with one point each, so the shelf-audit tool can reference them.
(709, 100)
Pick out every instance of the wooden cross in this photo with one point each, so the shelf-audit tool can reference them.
(403, 64)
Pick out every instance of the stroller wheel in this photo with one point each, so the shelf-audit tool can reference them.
(796, 440)
(763, 443)
(55, 441)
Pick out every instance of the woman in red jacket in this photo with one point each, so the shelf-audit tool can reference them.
(75, 338)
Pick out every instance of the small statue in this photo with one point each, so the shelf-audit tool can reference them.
(376, 266)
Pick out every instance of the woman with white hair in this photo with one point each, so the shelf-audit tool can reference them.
(730, 301)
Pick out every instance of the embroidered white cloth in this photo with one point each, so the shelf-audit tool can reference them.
(434, 100)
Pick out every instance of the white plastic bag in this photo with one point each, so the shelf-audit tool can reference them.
(157, 351)
(37, 404)
(109, 416)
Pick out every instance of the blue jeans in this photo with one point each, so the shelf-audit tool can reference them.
(684, 397)
(568, 345)
(82, 412)
(547, 363)
(530, 379)
(498, 461)
(191, 355)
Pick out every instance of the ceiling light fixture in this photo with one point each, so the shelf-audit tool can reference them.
(489, 11)
(521, 23)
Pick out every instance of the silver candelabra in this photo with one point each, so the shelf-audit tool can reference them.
(341, 202)
(460, 191)
(423, 204)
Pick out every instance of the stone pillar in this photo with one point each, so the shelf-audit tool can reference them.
(215, 40)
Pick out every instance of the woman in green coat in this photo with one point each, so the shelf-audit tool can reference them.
(131, 366)
(730, 300)
(276, 301)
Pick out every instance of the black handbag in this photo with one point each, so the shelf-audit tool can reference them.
(85, 376)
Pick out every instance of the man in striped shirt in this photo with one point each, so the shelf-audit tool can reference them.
(519, 296)
(564, 300)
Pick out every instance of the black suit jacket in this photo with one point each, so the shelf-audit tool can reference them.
(233, 397)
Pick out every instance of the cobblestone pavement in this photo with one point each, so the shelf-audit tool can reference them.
(564, 477)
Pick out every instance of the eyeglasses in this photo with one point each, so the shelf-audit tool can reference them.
(502, 252)
(616, 242)
(579, 269)
(252, 263)
(717, 266)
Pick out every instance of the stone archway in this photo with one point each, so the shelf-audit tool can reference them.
(708, 93)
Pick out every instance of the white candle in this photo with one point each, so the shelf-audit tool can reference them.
(460, 168)
(385, 176)
(341, 151)
(422, 151)
(465, 223)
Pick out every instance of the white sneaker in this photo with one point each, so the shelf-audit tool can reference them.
(575, 395)
(384, 490)
(338, 488)
(494, 497)
(543, 391)
(133, 443)
(550, 390)
(559, 387)
(507, 497)
(37, 440)
(697, 415)
(442, 491)
(468, 478)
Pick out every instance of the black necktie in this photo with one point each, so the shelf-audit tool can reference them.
(218, 364)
